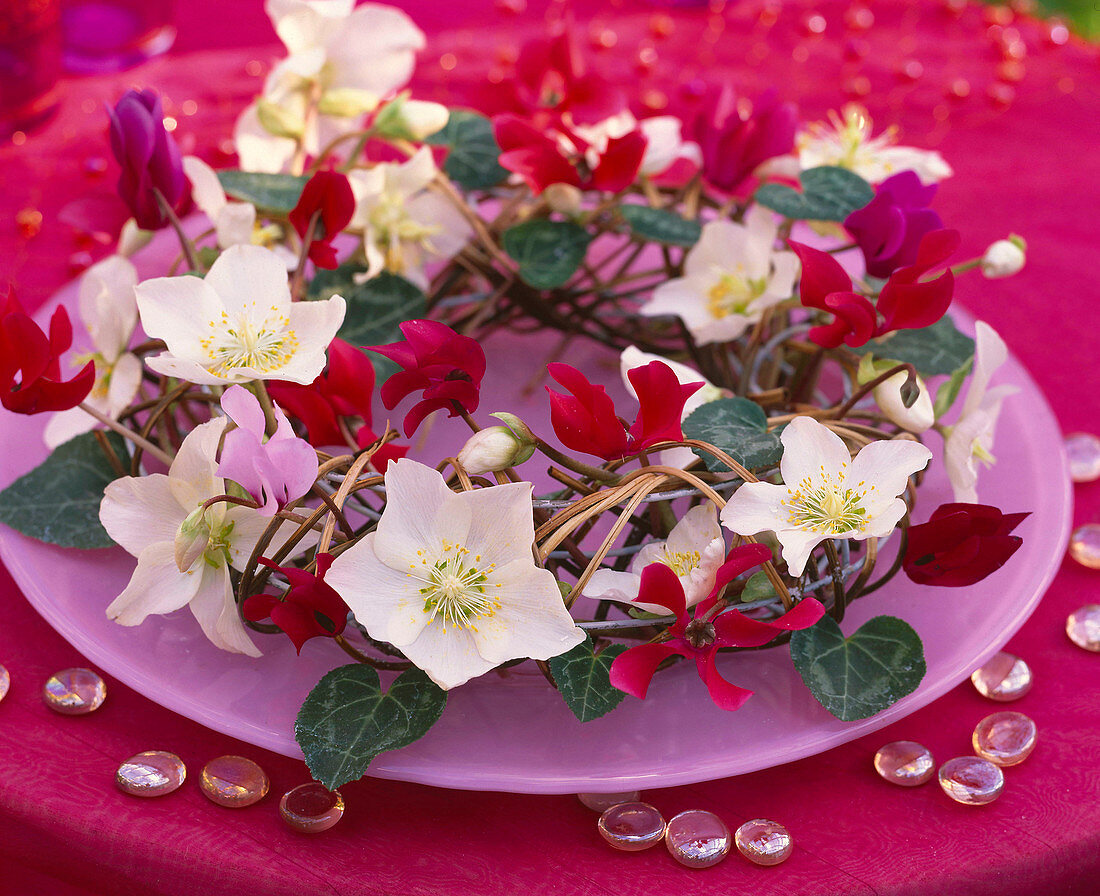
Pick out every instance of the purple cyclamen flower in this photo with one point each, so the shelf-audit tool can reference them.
(149, 158)
(737, 137)
(274, 472)
(890, 227)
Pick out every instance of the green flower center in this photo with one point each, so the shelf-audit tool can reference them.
(263, 345)
(734, 292)
(828, 506)
(456, 587)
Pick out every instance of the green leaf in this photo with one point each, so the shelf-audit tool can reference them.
(758, 587)
(376, 308)
(548, 252)
(58, 501)
(740, 428)
(582, 679)
(346, 720)
(472, 160)
(936, 350)
(661, 226)
(270, 192)
(828, 194)
(856, 677)
(949, 391)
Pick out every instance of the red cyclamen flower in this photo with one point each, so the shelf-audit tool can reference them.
(961, 544)
(445, 365)
(328, 195)
(906, 301)
(344, 389)
(30, 362)
(699, 639)
(586, 420)
(557, 154)
(310, 609)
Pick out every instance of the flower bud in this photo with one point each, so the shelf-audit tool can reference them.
(192, 539)
(347, 102)
(916, 418)
(563, 198)
(493, 449)
(407, 119)
(1004, 257)
(279, 121)
(132, 238)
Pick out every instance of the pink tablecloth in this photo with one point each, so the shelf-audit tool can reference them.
(1027, 164)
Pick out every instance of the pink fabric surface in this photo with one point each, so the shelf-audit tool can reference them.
(1029, 166)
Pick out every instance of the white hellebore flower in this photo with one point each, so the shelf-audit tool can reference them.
(694, 551)
(826, 492)
(1004, 258)
(344, 58)
(970, 440)
(405, 224)
(449, 578)
(730, 277)
(238, 323)
(109, 312)
(847, 143)
(183, 556)
(632, 357)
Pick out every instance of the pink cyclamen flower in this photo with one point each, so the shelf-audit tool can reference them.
(698, 638)
(310, 609)
(30, 362)
(149, 157)
(274, 472)
(586, 420)
(446, 366)
(907, 301)
(736, 138)
(889, 229)
(329, 194)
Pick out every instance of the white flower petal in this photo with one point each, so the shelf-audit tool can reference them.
(611, 584)
(809, 447)
(257, 149)
(126, 375)
(139, 511)
(421, 513)
(193, 475)
(206, 189)
(449, 656)
(798, 544)
(216, 612)
(156, 587)
(886, 466)
(108, 306)
(755, 507)
(246, 276)
(235, 224)
(179, 311)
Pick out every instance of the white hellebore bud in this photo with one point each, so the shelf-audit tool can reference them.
(1004, 258)
(411, 119)
(493, 449)
(563, 198)
(917, 418)
(192, 539)
(132, 238)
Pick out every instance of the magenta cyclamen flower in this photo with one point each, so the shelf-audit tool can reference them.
(274, 472)
(446, 366)
(149, 158)
(736, 138)
(699, 638)
(890, 227)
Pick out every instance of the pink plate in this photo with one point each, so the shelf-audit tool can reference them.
(510, 731)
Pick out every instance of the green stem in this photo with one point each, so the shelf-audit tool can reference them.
(147, 446)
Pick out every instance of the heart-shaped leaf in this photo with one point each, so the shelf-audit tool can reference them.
(582, 679)
(740, 428)
(661, 226)
(828, 194)
(858, 676)
(548, 252)
(472, 159)
(271, 192)
(346, 720)
(58, 501)
(936, 350)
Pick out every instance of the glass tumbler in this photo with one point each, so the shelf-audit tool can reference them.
(111, 35)
(30, 60)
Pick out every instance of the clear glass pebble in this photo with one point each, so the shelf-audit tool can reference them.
(234, 782)
(74, 692)
(632, 827)
(1083, 627)
(311, 808)
(698, 838)
(601, 802)
(1083, 451)
(906, 763)
(152, 773)
(1084, 545)
(1004, 678)
(1005, 738)
(971, 780)
(764, 842)
(5, 682)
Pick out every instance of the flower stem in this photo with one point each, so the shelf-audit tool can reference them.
(129, 434)
(597, 473)
(185, 242)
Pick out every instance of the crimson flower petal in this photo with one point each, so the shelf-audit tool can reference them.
(725, 694)
(661, 586)
(960, 545)
(909, 300)
(585, 420)
(633, 670)
(739, 560)
(662, 399)
(734, 629)
(618, 165)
